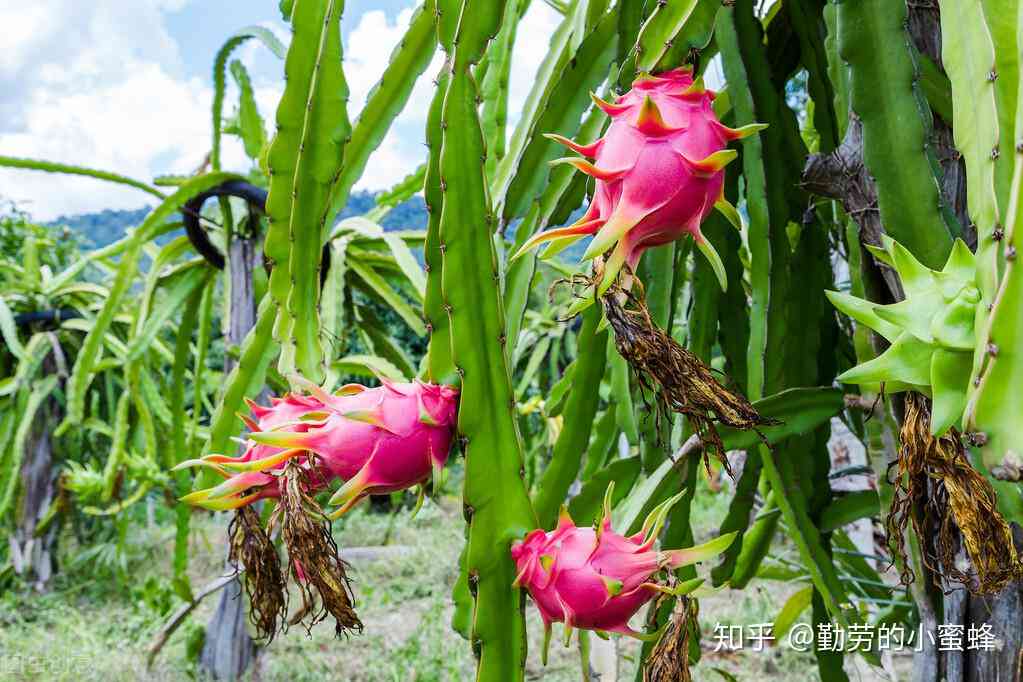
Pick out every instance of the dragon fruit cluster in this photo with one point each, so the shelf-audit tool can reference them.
(376, 440)
(659, 172)
(596, 579)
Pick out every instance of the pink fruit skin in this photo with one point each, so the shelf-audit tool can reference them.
(651, 187)
(281, 414)
(291, 408)
(406, 435)
(660, 186)
(591, 581)
(377, 440)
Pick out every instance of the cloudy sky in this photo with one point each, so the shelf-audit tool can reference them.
(125, 85)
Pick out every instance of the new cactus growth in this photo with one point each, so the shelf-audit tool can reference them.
(659, 172)
(596, 579)
(376, 440)
(931, 332)
(932, 338)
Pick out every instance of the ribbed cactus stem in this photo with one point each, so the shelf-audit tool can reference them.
(496, 504)
(304, 164)
(994, 412)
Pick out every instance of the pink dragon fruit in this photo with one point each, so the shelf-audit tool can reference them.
(377, 440)
(659, 172)
(294, 413)
(596, 579)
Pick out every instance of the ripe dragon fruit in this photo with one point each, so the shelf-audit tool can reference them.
(659, 172)
(596, 579)
(376, 440)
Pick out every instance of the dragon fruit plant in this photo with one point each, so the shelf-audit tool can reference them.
(375, 440)
(659, 173)
(593, 578)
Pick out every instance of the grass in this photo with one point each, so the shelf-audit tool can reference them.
(99, 619)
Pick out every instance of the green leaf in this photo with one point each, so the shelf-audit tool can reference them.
(548, 74)
(862, 504)
(864, 312)
(874, 42)
(623, 473)
(536, 357)
(568, 101)
(176, 293)
(756, 544)
(494, 87)
(379, 339)
(794, 607)
(9, 331)
(664, 29)
(403, 255)
(118, 445)
(83, 371)
(60, 281)
(52, 167)
(936, 87)
(263, 35)
(250, 123)
(369, 366)
(245, 380)
(579, 412)
(403, 191)
(807, 20)
(375, 285)
(470, 285)
(949, 379)
(907, 361)
(800, 410)
(387, 99)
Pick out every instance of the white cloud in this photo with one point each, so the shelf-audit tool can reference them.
(96, 84)
(368, 50)
(147, 123)
(367, 54)
(102, 84)
(532, 41)
(83, 40)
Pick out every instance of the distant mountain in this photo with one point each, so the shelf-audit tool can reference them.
(107, 226)
(410, 215)
(104, 227)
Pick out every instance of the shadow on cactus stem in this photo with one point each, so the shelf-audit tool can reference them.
(252, 548)
(669, 660)
(677, 379)
(948, 502)
(313, 558)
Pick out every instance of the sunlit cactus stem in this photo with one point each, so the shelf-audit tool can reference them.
(496, 505)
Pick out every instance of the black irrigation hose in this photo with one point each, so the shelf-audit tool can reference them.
(191, 212)
(256, 198)
(56, 316)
